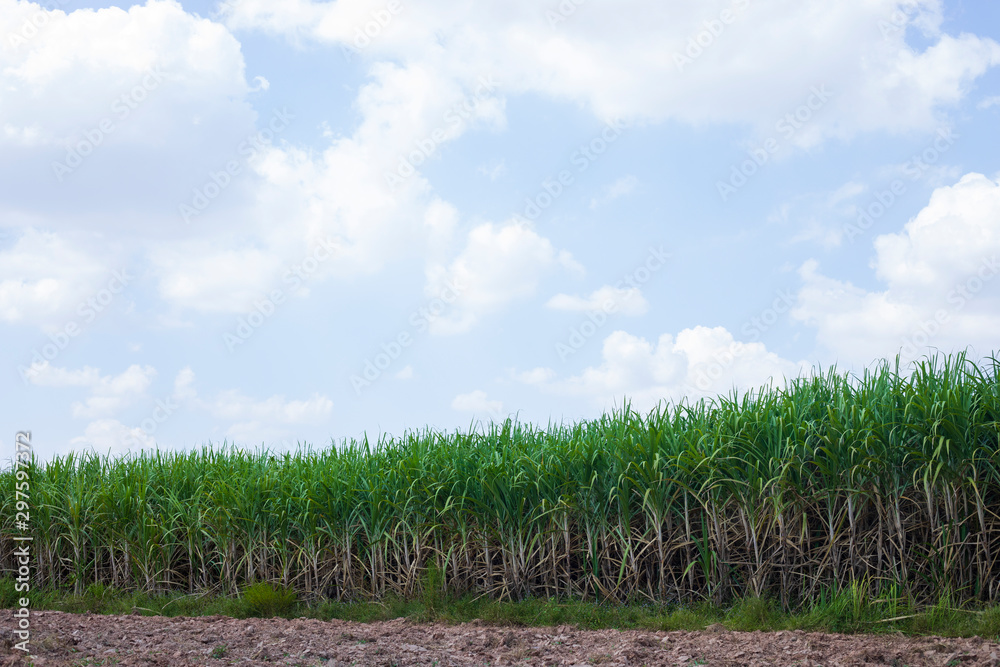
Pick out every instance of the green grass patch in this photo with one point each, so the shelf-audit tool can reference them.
(842, 613)
(265, 600)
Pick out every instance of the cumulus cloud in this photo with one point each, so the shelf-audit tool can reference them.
(184, 384)
(150, 64)
(436, 70)
(365, 190)
(627, 301)
(113, 438)
(45, 277)
(120, 111)
(110, 116)
(232, 404)
(109, 436)
(477, 402)
(247, 419)
(268, 420)
(697, 362)
(940, 275)
(500, 263)
(109, 394)
(706, 70)
(215, 279)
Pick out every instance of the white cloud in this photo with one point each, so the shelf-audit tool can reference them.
(140, 105)
(698, 362)
(111, 437)
(600, 57)
(45, 277)
(536, 376)
(620, 188)
(269, 419)
(987, 102)
(606, 54)
(184, 384)
(498, 265)
(89, 65)
(426, 63)
(232, 404)
(940, 275)
(440, 221)
(47, 375)
(406, 373)
(202, 278)
(627, 301)
(109, 394)
(477, 402)
(250, 420)
(364, 190)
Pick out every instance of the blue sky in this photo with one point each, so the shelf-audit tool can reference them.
(296, 221)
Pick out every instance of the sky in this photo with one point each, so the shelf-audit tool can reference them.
(276, 222)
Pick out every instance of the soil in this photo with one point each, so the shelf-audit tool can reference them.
(60, 639)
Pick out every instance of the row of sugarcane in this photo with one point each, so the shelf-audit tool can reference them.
(891, 478)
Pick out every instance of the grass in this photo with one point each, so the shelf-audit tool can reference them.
(835, 495)
(264, 600)
(749, 614)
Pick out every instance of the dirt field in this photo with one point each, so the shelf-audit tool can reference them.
(67, 639)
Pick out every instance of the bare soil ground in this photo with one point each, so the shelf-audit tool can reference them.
(60, 639)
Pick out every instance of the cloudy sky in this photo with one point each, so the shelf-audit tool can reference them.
(281, 221)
